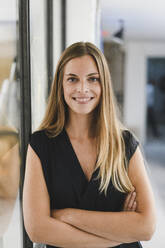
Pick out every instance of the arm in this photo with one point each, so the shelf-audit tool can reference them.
(40, 226)
(124, 227)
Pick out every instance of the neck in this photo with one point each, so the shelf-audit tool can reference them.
(80, 126)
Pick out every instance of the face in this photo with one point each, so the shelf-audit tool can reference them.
(81, 85)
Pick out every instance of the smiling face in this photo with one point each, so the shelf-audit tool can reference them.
(81, 85)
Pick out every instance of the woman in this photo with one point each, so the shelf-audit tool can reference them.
(83, 165)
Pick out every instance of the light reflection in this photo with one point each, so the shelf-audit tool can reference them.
(9, 127)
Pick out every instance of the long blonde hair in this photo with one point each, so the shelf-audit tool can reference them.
(110, 143)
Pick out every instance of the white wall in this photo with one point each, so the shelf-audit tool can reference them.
(38, 60)
(82, 24)
(135, 83)
(83, 21)
(8, 10)
(8, 34)
(56, 32)
(7, 31)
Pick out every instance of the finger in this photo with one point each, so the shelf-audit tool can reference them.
(134, 206)
(132, 199)
(127, 201)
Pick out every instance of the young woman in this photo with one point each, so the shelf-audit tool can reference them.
(84, 168)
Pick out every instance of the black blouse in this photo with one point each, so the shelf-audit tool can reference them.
(67, 185)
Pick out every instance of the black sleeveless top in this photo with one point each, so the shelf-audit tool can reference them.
(66, 182)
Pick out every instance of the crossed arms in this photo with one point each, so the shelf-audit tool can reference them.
(82, 228)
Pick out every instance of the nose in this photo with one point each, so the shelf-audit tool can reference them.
(83, 86)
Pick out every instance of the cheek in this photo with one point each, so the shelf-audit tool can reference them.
(98, 90)
(64, 92)
(67, 92)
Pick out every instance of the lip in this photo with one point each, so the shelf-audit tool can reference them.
(82, 100)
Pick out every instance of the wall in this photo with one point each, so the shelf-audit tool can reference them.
(83, 21)
(38, 60)
(56, 32)
(135, 83)
(115, 56)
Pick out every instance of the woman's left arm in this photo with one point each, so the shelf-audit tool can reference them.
(125, 226)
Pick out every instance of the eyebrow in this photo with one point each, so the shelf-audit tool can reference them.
(90, 74)
(93, 73)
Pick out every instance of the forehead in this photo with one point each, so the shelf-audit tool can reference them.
(84, 64)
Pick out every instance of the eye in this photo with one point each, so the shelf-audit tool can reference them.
(72, 79)
(94, 79)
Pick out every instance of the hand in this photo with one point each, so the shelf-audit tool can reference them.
(130, 203)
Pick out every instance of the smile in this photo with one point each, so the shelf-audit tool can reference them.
(82, 99)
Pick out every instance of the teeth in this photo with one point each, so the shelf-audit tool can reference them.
(86, 99)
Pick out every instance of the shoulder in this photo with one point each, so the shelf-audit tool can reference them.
(131, 143)
(129, 136)
(37, 141)
(42, 144)
(38, 135)
(41, 137)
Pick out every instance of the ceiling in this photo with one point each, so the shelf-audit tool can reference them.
(143, 20)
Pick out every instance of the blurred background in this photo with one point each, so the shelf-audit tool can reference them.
(33, 34)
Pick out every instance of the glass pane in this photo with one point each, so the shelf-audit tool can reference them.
(38, 65)
(10, 214)
(39, 58)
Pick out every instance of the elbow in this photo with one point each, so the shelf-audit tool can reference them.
(149, 233)
(147, 236)
(33, 237)
(148, 230)
(32, 232)
(37, 229)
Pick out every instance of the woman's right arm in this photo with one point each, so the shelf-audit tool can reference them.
(40, 226)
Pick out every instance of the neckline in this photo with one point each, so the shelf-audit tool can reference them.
(77, 160)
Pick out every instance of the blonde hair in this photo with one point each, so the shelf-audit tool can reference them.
(110, 143)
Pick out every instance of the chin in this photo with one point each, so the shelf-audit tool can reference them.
(82, 112)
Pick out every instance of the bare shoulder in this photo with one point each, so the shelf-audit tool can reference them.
(34, 178)
(36, 202)
(140, 180)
